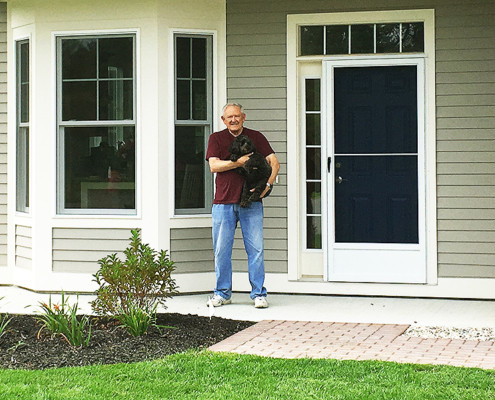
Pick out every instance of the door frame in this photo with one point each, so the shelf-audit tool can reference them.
(370, 250)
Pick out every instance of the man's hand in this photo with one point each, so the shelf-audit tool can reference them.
(241, 161)
(264, 192)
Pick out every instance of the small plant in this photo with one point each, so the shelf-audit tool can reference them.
(137, 321)
(137, 285)
(4, 321)
(61, 319)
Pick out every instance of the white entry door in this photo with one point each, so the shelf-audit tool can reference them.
(376, 174)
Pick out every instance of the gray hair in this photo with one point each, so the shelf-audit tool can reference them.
(239, 106)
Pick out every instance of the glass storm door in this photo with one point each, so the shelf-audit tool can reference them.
(373, 176)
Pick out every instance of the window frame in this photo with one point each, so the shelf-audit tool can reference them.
(22, 166)
(207, 124)
(61, 125)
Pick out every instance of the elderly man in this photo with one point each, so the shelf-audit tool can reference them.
(226, 211)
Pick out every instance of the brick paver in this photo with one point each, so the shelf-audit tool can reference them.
(351, 341)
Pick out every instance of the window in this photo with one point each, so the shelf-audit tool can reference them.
(312, 111)
(193, 123)
(362, 38)
(96, 125)
(22, 135)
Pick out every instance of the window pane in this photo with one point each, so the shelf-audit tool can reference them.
(413, 37)
(23, 91)
(311, 40)
(99, 168)
(313, 129)
(183, 57)
(199, 58)
(199, 100)
(388, 38)
(337, 39)
(22, 170)
(116, 100)
(313, 238)
(79, 101)
(116, 57)
(183, 100)
(24, 111)
(313, 193)
(78, 58)
(312, 95)
(362, 39)
(189, 167)
(313, 163)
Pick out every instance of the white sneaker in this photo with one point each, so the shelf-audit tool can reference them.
(218, 301)
(260, 302)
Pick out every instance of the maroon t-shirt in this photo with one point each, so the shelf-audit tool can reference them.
(229, 183)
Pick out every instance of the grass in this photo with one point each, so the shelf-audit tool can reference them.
(207, 375)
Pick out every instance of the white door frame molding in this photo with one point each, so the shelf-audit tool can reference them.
(297, 260)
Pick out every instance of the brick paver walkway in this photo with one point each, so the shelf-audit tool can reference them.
(350, 341)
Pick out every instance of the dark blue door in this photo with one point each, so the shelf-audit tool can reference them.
(376, 154)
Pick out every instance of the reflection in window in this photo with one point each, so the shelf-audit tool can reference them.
(388, 38)
(362, 39)
(22, 135)
(312, 108)
(193, 122)
(97, 167)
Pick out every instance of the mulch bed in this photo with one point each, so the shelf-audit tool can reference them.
(22, 347)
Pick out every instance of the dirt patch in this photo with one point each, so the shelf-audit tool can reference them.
(21, 348)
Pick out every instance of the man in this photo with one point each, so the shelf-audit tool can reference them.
(226, 211)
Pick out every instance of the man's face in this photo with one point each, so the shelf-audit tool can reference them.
(233, 119)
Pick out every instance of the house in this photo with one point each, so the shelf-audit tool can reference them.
(381, 113)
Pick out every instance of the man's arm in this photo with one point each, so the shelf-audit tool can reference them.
(273, 161)
(217, 165)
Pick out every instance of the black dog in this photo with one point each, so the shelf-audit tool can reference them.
(255, 171)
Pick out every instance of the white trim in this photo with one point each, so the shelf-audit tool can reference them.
(294, 206)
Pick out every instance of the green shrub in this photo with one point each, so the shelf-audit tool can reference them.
(140, 282)
(61, 319)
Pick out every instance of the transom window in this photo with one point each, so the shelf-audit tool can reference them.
(361, 39)
(193, 122)
(96, 124)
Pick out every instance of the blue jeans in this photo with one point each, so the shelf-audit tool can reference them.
(225, 218)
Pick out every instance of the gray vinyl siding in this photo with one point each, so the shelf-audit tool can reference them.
(465, 100)
(79, 249)
(3, 133)
(466, 139)
(191, 250)
(23, 246)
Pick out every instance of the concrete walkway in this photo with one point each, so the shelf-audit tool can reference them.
(340, 327)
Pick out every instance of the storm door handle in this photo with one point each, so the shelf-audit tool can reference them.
(339, 180)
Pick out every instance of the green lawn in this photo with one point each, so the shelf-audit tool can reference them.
(207, 375)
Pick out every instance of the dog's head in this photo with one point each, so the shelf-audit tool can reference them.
(242, 145)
